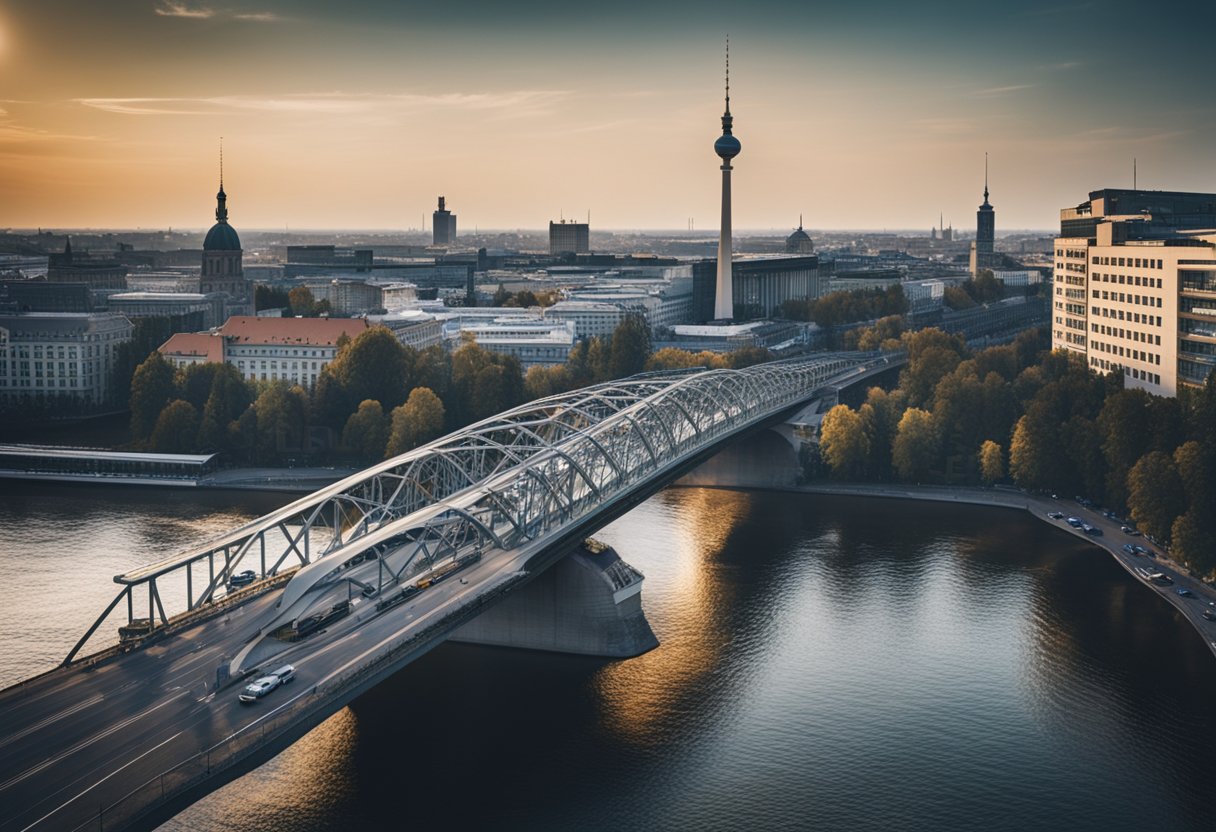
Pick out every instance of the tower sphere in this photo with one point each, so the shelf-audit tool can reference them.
(727, 146)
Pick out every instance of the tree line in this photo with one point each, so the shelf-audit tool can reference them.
(376, 399)
(847, 307)
(1045, 420)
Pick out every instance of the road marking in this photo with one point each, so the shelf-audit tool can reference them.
(86, 743)
(92, 700)
(102, 780)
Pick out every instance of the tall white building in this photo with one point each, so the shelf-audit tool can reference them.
(1134, 288)
(727, 147)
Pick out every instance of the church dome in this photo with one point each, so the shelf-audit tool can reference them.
(799, 242)
(222, 237)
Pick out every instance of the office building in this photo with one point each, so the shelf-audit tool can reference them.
(207, 310)
(414, 328)
(983, 254)
(534, 343)
(569, 237)
(266, 349)
(443, 225)
(44, 296)
(60, 355)
(759, 285)
(1134, 286)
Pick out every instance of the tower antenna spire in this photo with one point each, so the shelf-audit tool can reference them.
(1134, 185)
(985, 176)
(728, 74)
(221, 163)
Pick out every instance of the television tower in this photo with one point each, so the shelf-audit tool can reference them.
(727, 147)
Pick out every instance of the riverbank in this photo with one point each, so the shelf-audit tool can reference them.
(1111, 540)
(294, 480)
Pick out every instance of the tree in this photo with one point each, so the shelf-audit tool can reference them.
(374, 365)
(152, 387)
(175, 429)
(366, 431)
(992, 462)
(302, 301)
(269, 297)
(1123, 423)
(230, 396)
(630, 347)
(416, 422)
(542, 382)
(280, 421)
(916, 444)
(843, 441)
(194, 382)
(1155, 493)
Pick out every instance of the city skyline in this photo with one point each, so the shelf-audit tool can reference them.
(356, 120)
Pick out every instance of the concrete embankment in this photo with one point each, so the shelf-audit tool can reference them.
(1112, 539)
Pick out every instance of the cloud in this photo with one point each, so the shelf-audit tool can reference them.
(518, 102)
(174, 8)
(258, 17)
(994, 91)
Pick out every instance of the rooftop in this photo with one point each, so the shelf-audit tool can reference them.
(194, 345)
(246, 329)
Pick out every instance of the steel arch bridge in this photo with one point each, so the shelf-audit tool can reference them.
(501, 483)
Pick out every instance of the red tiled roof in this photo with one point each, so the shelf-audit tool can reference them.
(193, 345)
(320, 332)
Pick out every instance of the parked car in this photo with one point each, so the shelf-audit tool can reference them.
(1075, 522)
(1129, 531)
(1091, 530)
(1184, 592)
(1129, 548)
(1056, 515)
(1209, 614)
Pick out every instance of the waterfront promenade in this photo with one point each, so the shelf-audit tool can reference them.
(1039, 506)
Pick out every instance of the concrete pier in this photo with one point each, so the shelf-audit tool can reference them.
(589, 603)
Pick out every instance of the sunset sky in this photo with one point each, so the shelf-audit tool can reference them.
(358, 114)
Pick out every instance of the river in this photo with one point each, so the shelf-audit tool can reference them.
(825, 662)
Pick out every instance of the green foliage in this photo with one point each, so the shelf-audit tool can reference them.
(194, 382)
(837, 308)
(230, 396)
(1155, 495)
(630, 347)
(366, 431)
(374, 365)
(416, 422)
(281, 422)
(269, 297)
(176, 427)
(152, 388)
(304, 304)
(483, 383)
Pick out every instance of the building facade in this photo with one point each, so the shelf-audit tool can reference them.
(983, 253)
(99, 274)
(46, 356)
(759, 285)
(1134, 286)
(569, 237)
(443, 225)
(294, 350)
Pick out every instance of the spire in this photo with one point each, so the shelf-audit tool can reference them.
(800, 222)
(985, 177)
(727, 119)
(221, 198)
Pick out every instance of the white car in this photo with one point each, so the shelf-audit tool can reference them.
(258, 688)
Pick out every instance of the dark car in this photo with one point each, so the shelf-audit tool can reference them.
(1129, 548)
(1075, 522)
(1091, 530)
(243, 578)
(1129, 531)
(1184, 592)
(1056, 515)
(1209, 614)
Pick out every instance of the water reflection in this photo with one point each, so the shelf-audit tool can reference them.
(824, 662)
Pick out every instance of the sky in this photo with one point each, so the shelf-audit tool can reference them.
(860, 115)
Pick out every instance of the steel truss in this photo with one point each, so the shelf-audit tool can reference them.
(498, 483)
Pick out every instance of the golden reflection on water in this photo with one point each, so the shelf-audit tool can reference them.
(639, 694)
(303, 781)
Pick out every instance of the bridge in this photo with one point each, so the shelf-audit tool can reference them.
(352, 583)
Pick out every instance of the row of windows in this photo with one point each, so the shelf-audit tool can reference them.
(1120, 315)
(1129, 280)
(1137, 300)
(1134, 262)
(1143, 375)
(1132, 334)
(1126, 352)
(292, 352)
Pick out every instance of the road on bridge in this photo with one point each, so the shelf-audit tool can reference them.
(81, 738)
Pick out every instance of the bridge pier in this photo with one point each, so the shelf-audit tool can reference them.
(588, 603)
(764, 459)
